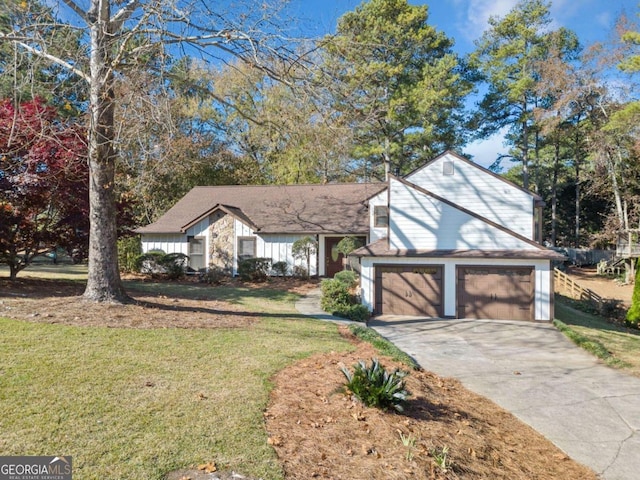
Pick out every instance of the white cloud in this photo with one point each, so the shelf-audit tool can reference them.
(479, 12)
(474, 21)
(487, 151)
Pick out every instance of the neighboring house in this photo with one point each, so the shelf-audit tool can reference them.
(451, 239)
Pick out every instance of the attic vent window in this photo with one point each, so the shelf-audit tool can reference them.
(447, 168)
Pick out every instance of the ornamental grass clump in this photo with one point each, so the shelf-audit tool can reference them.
(374, 386)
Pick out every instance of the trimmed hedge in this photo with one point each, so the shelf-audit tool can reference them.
(254, 269)
(338, 300)
(173, 265)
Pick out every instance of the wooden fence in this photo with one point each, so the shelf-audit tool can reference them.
(564, 284)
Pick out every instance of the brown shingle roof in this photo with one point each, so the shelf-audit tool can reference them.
(330, 208)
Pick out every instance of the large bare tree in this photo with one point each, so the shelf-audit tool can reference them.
(121, 35)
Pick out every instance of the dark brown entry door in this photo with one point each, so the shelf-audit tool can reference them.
(409, 290)
(500, 293)
(334, 260)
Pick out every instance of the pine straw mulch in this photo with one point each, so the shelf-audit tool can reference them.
(320, 432)
(317, 431)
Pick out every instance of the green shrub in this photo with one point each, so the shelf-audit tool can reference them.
(348, 245)
(280, 268)
(300, 271)
(213, 275)
(355, 312)
(338, 300)
(336, 296)
(358, 313)
(149, 263)
(611, 309)
(633, 314)
(254, 269)
(376, 387)
(348, 277)
(129, 249)
(173, 265)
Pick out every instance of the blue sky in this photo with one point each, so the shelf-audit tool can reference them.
(465, 20)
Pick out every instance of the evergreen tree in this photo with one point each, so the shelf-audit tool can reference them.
(509, 54)
(397, 82)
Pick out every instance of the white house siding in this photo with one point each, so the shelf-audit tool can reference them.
(199, 229)
(543, 279)
(379, 200)
(477, 190)
(243, 230)
(419, 221)
(175, 242)
(273, 246)
(168, 243)
(278, 248)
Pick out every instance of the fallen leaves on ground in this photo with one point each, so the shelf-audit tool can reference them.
(445, 433)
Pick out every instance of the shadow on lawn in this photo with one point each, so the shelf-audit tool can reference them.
(198, 291)
(175, 298)
(215, 311)
(44, 287)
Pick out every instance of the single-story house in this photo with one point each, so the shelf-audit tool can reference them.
(451, 239)
(218, 226)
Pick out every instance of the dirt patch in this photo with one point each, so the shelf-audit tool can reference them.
(606, 287)
(317, 431)
(320, 432)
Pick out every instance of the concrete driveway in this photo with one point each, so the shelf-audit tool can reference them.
(590, 411)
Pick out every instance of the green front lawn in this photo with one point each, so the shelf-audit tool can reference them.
(615, 345)
(136, 404)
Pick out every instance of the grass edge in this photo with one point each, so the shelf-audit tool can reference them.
(384, 346)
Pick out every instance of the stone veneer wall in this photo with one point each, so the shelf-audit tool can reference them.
(221, 244)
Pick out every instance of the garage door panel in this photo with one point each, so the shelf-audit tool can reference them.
(496, 293)
(409, 290)
(393, 294)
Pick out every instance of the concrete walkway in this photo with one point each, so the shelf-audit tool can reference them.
(310, 305)
(590, 411)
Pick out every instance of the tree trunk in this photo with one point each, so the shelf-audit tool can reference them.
(525, 154)
(13, 271)
(103, 283)
(577, 202)
(387, 159)
(612, 167)
(554, 193)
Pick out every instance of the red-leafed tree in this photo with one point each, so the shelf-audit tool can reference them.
(44, 200)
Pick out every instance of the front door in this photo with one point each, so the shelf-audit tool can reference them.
(333, 259)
